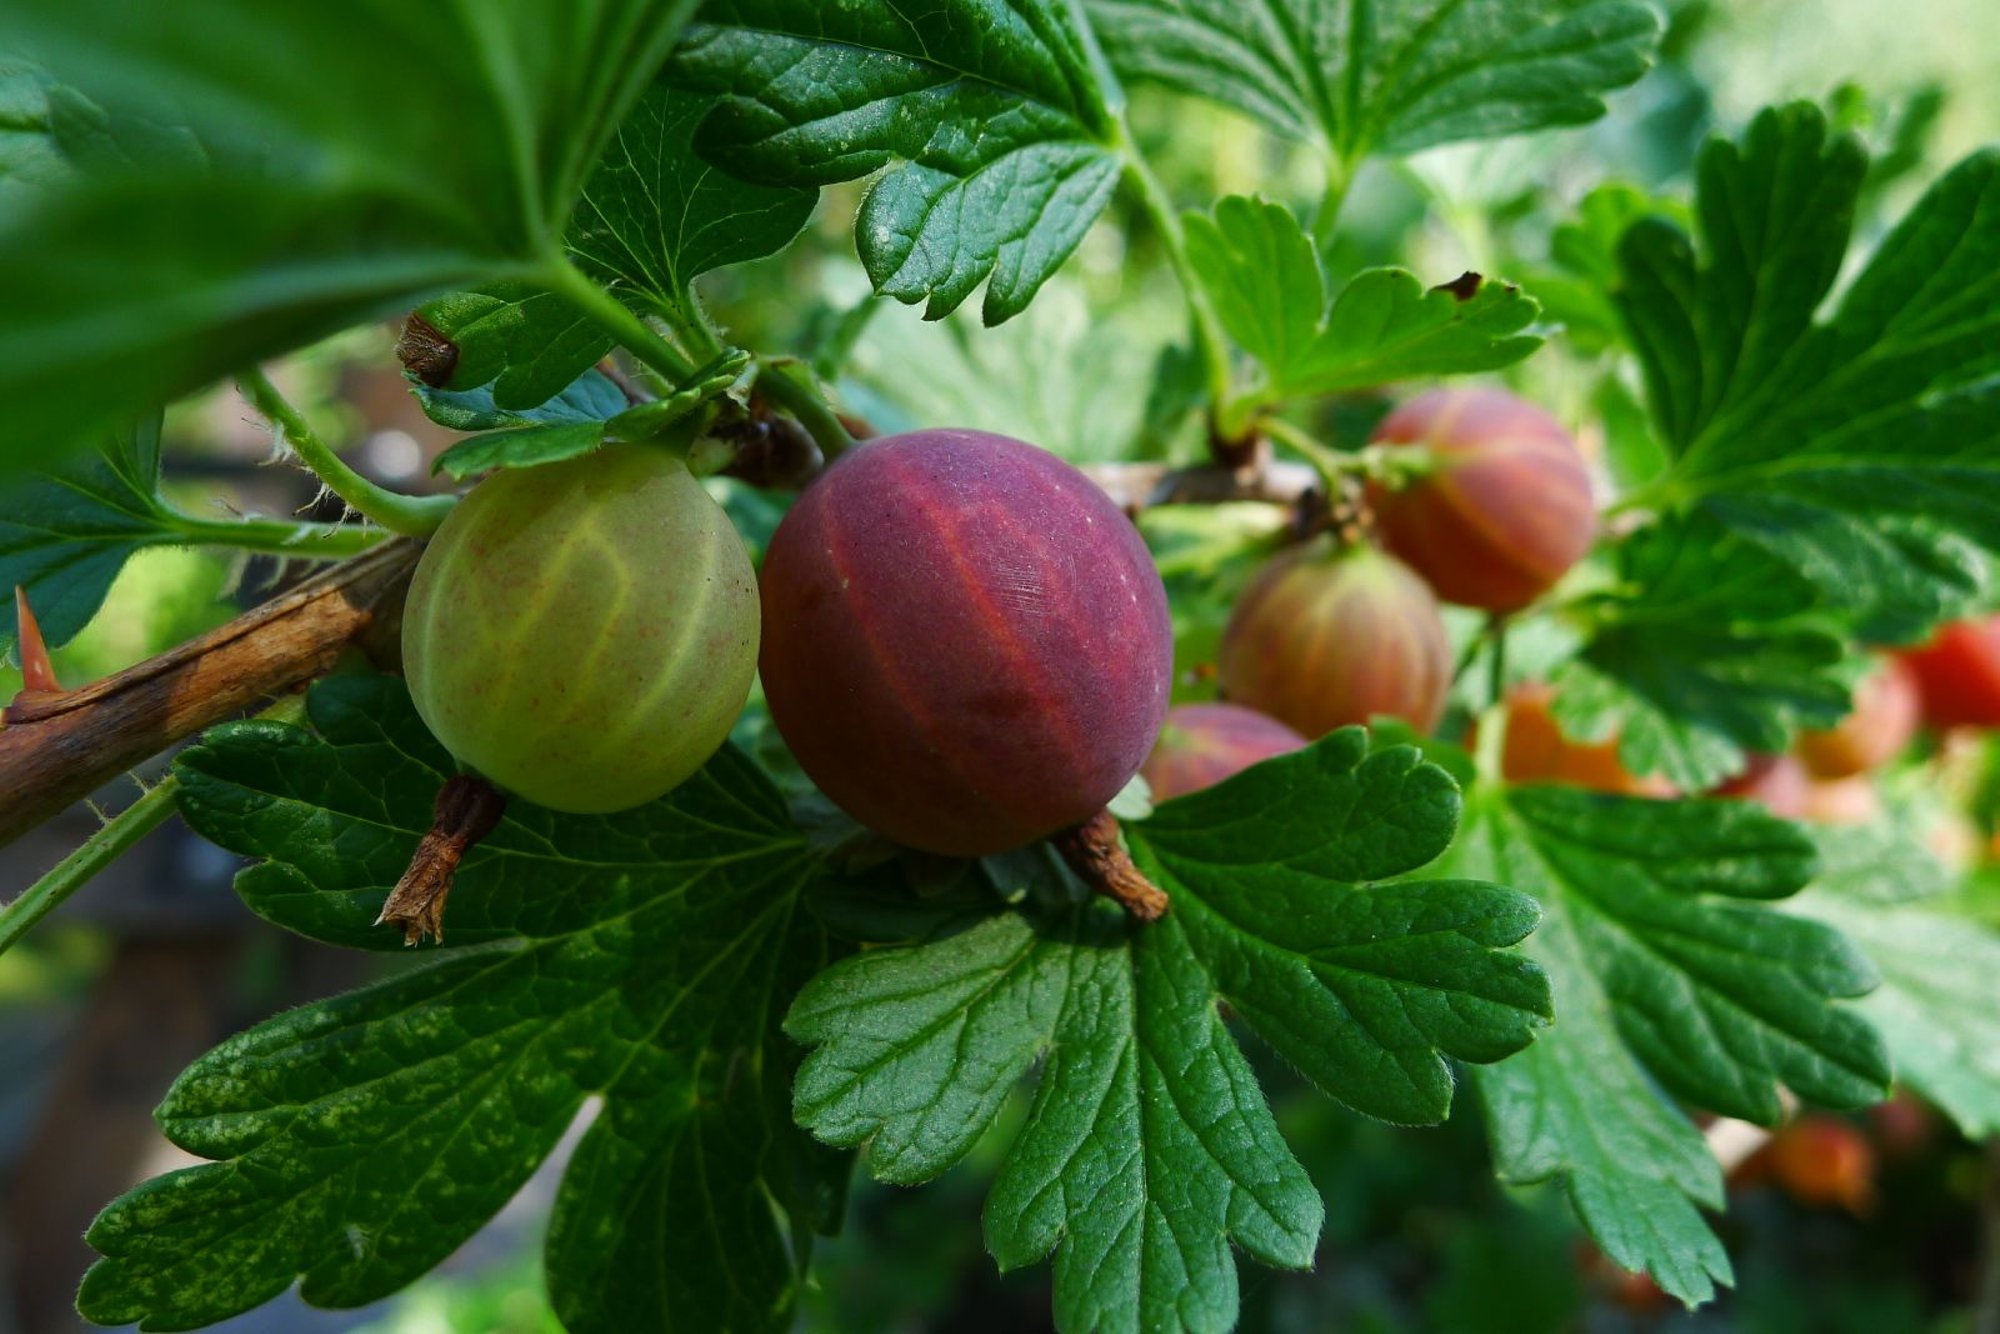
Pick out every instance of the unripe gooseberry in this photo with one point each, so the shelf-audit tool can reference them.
(966, 645)
(1325, 636)
(584, 633)
(1202, 744)
(1875, 731)
(1958, 674)
(1536, 750)
(1505, 508)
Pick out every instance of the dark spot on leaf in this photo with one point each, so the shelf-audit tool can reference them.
(1465, 286)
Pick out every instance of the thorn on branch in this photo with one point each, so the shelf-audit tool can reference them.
(1095, 850)
(466, 811)
(38, 672)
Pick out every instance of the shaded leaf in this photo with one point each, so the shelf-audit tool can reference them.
(1863, 449)
(354, 157)
(360, 1140)
(654, 216)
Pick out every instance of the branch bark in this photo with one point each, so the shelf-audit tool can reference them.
(1141, 486)
(58, 746)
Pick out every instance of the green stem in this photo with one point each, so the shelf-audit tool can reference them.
(788, 383)
(412, 516)
(1207, 329)
(280, 537)
(1328, 462)
(694, 326)
(637, 337)
(113, 839)
(1327, 220)
(110, 841)
(1496, 675)
(1392, 465)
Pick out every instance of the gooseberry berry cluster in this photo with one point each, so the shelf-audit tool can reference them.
(966, 646)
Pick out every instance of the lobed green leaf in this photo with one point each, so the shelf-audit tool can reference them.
(632, 958)
(1149, 1147)
(996, 114)
(1263, 274)
(1388, 76)
(1666, 983)
(1861, 448)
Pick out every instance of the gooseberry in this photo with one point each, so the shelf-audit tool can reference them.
(1875, 731)
(966, 644)
(1536, 750)
(1202, 744)
(1958, 674)
(583, 633)
(1505, 507)
(1325, 636)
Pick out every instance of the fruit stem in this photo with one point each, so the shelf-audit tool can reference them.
(1496, 667)
(636, 336)
(1395, 466)
(1206, 328)
(1096, 852)
(411, 516)
(788, 382)
(467, 808)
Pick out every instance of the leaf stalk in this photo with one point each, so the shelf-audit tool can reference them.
(409, 516)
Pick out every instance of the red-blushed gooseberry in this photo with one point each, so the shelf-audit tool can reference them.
(966, 645)
(1202, 744)
(1504, 510)
(1535, 750)
(1325, 636)
(1958, 674)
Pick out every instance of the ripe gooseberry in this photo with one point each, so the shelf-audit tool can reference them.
(1779, 783)
(1958, 674)
(966, 645)
(1535, 750)
(1325, 636)
(1824, 1160)
(1875, 731)
(1202, 744)
(584, 633)
(1504, 510)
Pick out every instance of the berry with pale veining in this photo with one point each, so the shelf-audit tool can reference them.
(1505, 509)
(584, 633)
(1327, 636)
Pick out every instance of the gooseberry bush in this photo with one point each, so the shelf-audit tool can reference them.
(752, 745)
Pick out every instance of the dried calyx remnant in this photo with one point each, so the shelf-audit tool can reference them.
(1096, 852)
(467, 809)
